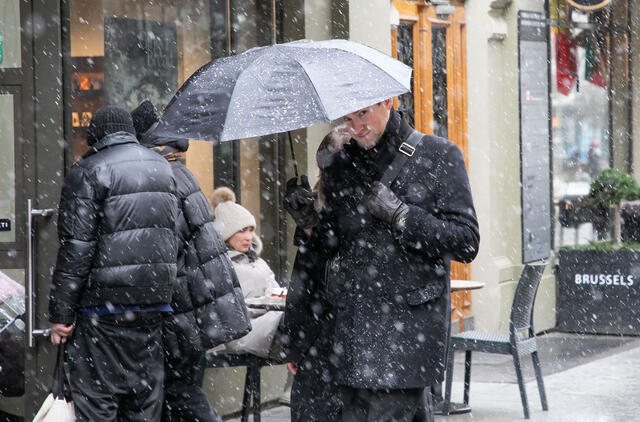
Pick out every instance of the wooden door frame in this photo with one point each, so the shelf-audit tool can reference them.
(423, 17)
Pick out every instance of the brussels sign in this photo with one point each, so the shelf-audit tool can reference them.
(589, 4)
(598, 292)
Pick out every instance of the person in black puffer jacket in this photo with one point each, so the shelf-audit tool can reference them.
(115, 272)
(208, 304)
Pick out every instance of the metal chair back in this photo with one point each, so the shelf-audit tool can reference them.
(525, 296)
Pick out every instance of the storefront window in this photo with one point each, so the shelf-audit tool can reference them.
(122, 52)
(590, 100)
(7, 169)
(10, 55)
(405, 55)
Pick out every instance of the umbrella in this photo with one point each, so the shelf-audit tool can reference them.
(280, 88)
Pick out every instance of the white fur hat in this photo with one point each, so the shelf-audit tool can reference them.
(229, 217)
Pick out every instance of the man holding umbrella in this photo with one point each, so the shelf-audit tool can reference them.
(387, 233)
(389, 244)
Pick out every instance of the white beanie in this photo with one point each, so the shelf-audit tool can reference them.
(229, 217)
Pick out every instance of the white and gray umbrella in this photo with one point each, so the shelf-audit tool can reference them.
(280, 88)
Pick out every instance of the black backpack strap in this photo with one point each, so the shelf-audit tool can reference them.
(406, 150)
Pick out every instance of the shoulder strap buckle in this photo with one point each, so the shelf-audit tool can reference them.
(407, 149)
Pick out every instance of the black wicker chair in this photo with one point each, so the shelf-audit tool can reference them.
(520, 341)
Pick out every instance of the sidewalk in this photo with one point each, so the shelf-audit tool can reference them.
(603, 387)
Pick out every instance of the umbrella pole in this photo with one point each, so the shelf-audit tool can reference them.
(293, 154)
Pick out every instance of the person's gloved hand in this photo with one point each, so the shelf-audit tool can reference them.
(299, 202)
(381, 202)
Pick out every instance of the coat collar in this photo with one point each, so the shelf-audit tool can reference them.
(252, 255)
(110, 140)
(374, 161)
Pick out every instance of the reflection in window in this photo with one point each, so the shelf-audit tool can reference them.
(405, 55)
(124, 52)
(439, 69)
(590, 97)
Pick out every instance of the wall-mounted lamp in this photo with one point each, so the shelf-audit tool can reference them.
(443, 7)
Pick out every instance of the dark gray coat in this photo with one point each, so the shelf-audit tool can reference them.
(391, 292)
(116, 225)
(207, 301)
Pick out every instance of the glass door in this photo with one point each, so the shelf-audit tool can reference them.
(12, 233)
(30, 176)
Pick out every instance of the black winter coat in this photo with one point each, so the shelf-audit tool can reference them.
(390, 292)
(207, 300)
(116, 225)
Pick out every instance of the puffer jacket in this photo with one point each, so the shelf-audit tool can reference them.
(207, 301)
(116, 225)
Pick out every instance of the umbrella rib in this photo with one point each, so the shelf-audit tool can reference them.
(362, 57)
(233, 91)
(324, 111)
(312, 86)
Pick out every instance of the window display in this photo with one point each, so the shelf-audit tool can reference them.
(590, 86)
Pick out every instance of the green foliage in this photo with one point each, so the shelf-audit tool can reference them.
(613, 186)
(604, 246)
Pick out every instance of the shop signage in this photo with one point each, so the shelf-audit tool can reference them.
(5, 225)
(589, 4)
(535, 167)
(598, 292)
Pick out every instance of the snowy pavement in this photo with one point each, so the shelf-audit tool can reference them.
(601, 390)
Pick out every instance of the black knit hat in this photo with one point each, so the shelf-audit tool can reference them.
(109, 120)
(143, 117)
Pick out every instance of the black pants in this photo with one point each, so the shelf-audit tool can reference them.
(315, 393)
(362, 405)
(184, 400)
(425, 410)
(116, 367)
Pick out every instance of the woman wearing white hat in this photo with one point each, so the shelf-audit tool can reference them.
(237, 227)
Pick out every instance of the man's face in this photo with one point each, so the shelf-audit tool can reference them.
(367, 125)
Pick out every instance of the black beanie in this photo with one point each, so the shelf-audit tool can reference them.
(143, 117)
(109, 120)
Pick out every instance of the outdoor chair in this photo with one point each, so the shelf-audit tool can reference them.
(520, 341)
(251, 395)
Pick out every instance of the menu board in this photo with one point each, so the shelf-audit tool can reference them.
(535, 168)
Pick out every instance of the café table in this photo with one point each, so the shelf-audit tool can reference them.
(460, 285)
(270, 303)
(277, 303)
(436, 390)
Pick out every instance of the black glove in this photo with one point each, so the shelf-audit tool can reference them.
(299, 202)
(381, 202)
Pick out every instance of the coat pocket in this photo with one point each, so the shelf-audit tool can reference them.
(424, 294)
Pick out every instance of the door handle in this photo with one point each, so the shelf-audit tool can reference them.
(31, 331)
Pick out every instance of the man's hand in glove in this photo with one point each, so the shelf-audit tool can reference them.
(299, 202)
(381, 202)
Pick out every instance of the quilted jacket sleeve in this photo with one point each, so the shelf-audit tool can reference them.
(78, 221)
(451, 229)
(215, 291)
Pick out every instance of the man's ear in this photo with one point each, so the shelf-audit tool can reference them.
(388, 103)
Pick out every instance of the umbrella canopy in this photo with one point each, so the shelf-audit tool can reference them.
(280, 88)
